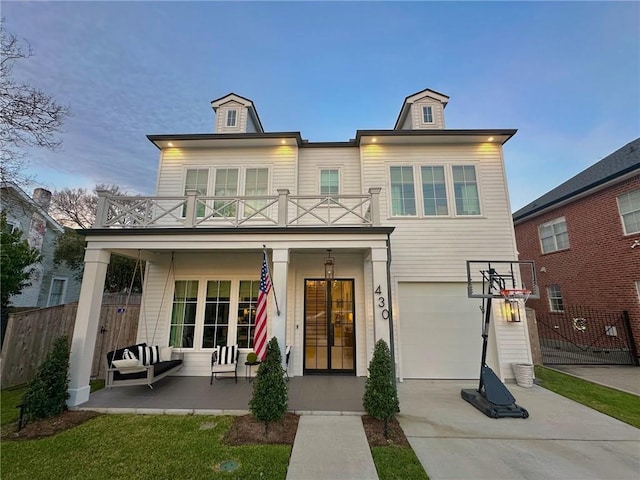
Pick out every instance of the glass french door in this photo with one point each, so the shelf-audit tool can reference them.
(329, 328)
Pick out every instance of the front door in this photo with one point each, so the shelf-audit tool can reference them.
(329, 328)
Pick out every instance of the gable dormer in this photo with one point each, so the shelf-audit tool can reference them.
(235, 114)
(422, 110)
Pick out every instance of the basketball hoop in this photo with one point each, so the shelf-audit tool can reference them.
(515, 293)
(511, 310)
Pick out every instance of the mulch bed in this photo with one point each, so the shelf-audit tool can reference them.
(374, 429)
(246, 431)
(37, 429)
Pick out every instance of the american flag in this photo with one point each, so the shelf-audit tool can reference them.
(260, 335)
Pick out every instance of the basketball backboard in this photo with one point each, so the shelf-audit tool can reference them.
(488, 278)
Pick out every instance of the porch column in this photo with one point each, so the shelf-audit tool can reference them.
(279, 281)
(86, 327)
(381, 309)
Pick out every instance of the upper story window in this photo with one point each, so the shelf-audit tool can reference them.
(555, 298)
(197, 179)
(629, 208)
(427, 114)
(226, 185)
(57, 291)
(434, 190)
(11, 226)
(403, 195)
(232, 118)
(256, 184)
(329, 182)
(465, 187)
(554, 235)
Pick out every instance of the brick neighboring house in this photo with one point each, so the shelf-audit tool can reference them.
(584, 237)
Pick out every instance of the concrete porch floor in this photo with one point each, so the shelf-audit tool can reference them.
(317, 394)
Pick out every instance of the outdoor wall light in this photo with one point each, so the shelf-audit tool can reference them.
(511, 310)
(329, 266)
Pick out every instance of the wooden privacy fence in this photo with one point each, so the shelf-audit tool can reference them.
(30, 336)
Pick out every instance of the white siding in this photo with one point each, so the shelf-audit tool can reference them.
(416, 114)
(241, 119)
(345, 159)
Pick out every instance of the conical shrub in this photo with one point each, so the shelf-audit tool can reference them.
(381, 394)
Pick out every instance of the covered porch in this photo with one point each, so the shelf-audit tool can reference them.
(185, 395)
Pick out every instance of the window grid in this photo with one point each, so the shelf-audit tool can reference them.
(427, 114)
(329, 182)
(256, 185)
(196, 179)
(216, 315)
(403, 197)
(247, 305)
(56, 292)
(232, 118)
(226, 185)
(554, 235)
(183, 314)
(465, 188)
(629, 208)
(434, 190)
(555, 298)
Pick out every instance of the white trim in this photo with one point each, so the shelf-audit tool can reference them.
(551, 309)
(390, 213)
(551, 223)
(329, 168)
(624, 226)
(431, 114)
(228, 117)
(638, 289)
(63, 294)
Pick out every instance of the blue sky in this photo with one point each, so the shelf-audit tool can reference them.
(566, 75)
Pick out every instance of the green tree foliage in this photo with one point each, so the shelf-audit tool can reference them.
(381, 394)
(270, 397)
(17, 260)
(47, 394)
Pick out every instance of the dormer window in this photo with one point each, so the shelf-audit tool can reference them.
(232, 118)
(427, 114)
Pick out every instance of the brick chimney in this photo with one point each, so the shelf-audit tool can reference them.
(43, 198)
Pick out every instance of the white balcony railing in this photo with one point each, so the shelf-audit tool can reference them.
(193, 210)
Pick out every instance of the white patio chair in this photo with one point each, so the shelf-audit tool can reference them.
(224, 359)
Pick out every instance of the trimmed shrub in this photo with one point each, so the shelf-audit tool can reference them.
(270, 397)
(252, 357)
(47, 394)
(381, 394)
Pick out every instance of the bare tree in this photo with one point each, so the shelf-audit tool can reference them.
(76, 207)
(28, 116)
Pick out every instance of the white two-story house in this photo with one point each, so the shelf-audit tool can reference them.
(366, 239)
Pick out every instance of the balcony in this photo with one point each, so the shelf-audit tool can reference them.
(198, 211)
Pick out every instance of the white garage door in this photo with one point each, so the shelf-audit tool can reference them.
(440, 331)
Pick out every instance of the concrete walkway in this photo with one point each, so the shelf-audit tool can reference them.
(331, 447)
(561, 439)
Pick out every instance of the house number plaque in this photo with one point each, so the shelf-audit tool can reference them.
(382, 303)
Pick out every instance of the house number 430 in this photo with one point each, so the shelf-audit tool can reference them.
(382, 303)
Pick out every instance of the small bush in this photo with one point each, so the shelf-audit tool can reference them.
(381, 394)
(252, 357)
(270, 397)
(47, 394)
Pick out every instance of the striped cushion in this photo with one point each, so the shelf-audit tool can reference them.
(226, 355)
(148, 355)
(128, 355)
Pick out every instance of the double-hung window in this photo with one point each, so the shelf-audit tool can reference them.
(197, 179)
(629, 208)
(434, 191)
(554, 235)
(403, 195)
(427, 114)
(256, 184)
(465, 188)
(329, 182)
(226, 185)
(232, 118)
(57, 291)
(555, 298)
(183, 315)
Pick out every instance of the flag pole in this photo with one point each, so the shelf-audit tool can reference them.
(273, 289)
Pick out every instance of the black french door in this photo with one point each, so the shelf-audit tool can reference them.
(329, 327)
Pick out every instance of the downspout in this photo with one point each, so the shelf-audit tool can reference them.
(391, 339)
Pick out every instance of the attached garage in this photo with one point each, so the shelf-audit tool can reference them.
(440, 331)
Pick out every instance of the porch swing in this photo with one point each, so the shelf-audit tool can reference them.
(142, 364)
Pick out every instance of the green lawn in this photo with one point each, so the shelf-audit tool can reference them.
(621, 405)
(397, 463)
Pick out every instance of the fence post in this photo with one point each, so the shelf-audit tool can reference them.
(282, 206)
(375, 205)
(534, 339)
(626, 321)
(190, 214)
(101, 211)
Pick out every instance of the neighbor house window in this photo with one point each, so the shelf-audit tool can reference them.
(629, 207)
(465, 188)
(247, 304)
(256, 184)
(638, 289)
(554, 235)
(57, 291)
(403, 196)
(232, 118)
(183, 314)
(329, 182)
(555, 298)
(216, 313)
(226, 185)
(427, 114)
(196, 179)
(434, 191)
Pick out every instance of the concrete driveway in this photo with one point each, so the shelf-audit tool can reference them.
(560, 440)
